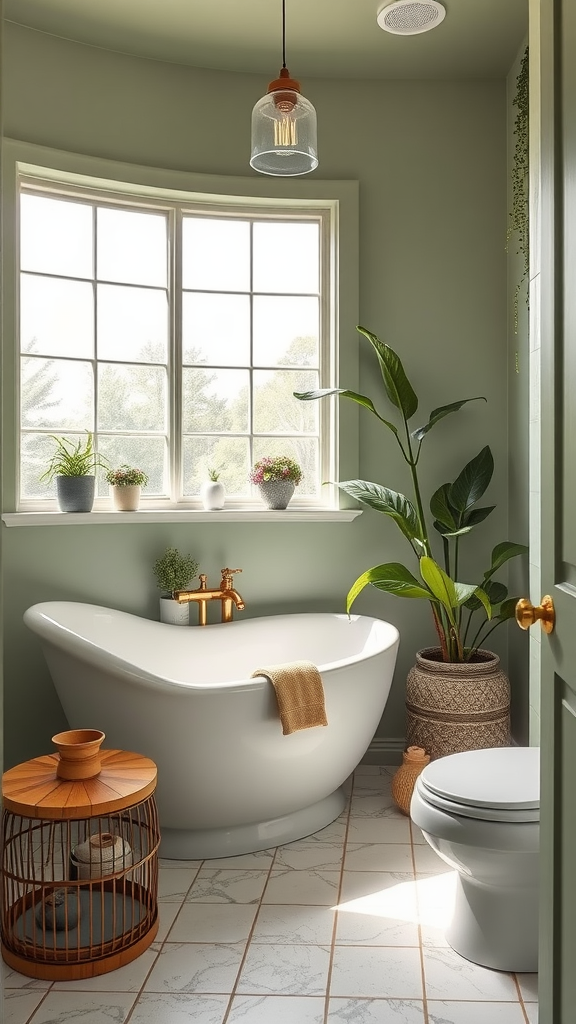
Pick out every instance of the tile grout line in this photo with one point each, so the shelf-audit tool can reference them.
(419, 926)
(36, 1008)
(248, 941)
(338, 896)
(521, 998)
(162, 943)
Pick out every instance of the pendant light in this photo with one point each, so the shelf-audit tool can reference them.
(284, 125)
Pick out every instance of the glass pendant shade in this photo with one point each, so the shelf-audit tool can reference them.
(284, 133)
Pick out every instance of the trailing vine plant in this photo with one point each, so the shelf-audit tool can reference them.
(519, 214)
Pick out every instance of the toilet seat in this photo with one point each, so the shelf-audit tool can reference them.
(496, 784)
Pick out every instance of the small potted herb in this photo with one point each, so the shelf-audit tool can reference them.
(276, 477)
(174, 571)
(126, 483)
(212, 491)
(73, 464)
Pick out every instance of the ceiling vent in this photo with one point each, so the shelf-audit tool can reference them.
(409, 17)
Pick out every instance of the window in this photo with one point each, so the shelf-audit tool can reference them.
(176, 332)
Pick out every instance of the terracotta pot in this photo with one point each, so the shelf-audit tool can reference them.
(79, 751)
(126, 498)
(413, 761)
(453, 707)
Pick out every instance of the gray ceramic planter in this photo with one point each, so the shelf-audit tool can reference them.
(276, 493)
(75, 493)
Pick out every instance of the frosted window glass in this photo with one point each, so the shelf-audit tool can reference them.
(276, 411)
(216, 254)
(216, 329)
(56, 316)
(285, 331)
(56, 236)
(215, 400)
(132, 247)
(286, 257)
(132, 397)
(132, 323)
(56, 393)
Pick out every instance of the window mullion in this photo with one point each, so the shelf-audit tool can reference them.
(95, 323)
(175, 355)
(251, 366)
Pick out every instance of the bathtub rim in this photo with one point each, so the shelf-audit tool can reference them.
(62, 637)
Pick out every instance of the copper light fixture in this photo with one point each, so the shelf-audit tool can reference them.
(284, 125)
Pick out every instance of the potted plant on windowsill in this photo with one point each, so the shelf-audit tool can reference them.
(74, 465)
(457, 697)
(174, 571)
(276, 477)
(126, 485)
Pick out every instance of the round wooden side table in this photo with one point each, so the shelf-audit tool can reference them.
(79, 868)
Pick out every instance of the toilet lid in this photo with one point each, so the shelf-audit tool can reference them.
(498, 784)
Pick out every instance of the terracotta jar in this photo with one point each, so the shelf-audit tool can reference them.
(413, 761)
(79, 751)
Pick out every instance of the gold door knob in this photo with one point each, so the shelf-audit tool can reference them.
(527, 614)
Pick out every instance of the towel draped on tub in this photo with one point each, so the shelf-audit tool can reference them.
(299, 692)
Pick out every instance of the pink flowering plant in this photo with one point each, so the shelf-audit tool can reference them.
(280, 467)
(127, 476)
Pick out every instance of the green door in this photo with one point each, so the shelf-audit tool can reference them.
(553, 319)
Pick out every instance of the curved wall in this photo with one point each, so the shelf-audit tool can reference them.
(430, 158)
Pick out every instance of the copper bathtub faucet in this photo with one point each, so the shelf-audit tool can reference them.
(225, 593)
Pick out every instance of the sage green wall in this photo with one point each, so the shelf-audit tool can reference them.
(518, 439)
(431, 161)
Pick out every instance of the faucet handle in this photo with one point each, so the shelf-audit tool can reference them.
(226, 583)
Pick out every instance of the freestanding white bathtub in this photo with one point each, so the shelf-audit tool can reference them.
(229, 781)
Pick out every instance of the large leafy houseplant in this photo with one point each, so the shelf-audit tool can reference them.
(455, 514)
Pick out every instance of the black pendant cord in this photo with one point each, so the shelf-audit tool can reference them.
(283, 33)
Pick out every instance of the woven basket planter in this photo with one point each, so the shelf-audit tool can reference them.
(452, 707)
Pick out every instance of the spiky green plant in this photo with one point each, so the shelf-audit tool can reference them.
(70, 459)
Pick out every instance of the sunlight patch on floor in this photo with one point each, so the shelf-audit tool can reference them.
(427, 901)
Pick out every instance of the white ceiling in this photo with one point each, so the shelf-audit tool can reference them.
(324, 38)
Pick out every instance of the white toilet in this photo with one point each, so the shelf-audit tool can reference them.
(479, 810)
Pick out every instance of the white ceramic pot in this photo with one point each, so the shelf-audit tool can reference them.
(101, 854)
(173, 612)
(126, 498)
(212, 494)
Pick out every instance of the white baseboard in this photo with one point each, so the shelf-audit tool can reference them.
(385, 750)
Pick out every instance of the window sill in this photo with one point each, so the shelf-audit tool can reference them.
(232, 515)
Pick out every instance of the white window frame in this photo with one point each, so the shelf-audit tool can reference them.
(335, 203)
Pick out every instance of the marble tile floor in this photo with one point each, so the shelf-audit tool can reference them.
(343, 927)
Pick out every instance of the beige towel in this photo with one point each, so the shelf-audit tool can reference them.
(299, 692)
